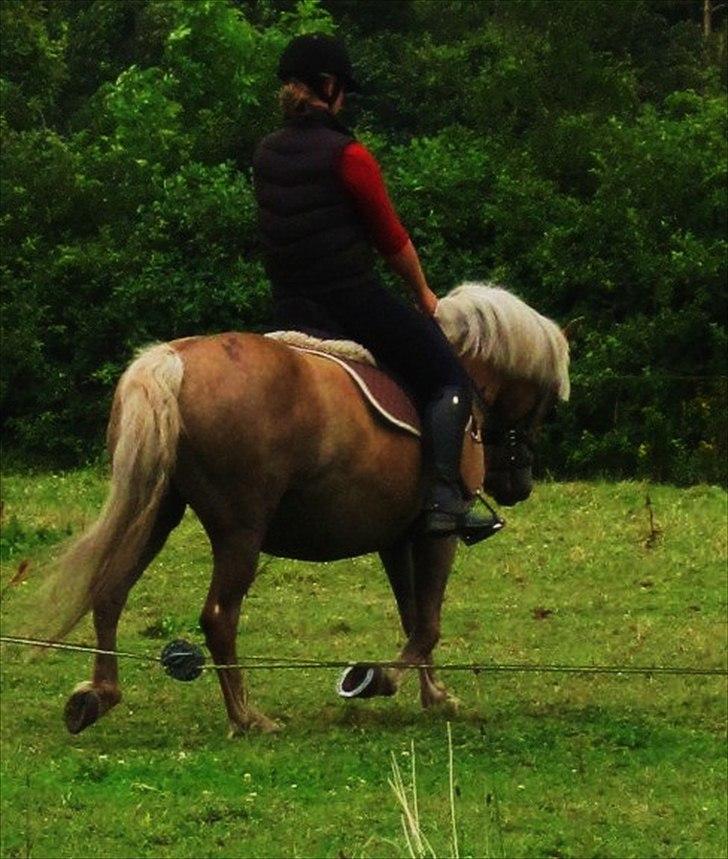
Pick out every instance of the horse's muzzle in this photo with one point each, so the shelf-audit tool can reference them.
(508, 461)
(509, 486)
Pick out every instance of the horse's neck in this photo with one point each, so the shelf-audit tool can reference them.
(486, 380)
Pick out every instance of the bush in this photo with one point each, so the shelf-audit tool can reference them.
(574, 152)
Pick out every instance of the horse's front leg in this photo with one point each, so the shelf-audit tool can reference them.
(418, 571)
(398, 563)
(235, 562)
(367, 681)
(432, 561)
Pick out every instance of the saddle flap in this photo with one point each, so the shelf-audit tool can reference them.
(389, 400)
(383, 394)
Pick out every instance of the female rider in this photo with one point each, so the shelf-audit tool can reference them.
(322, 205)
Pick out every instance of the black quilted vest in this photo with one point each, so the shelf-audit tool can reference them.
(312, 237)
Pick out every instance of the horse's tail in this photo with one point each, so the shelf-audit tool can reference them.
(143, 432)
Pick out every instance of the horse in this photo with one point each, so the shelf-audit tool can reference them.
(277, 452)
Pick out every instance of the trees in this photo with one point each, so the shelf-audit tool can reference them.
(574, 151)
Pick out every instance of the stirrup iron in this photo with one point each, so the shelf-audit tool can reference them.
(482, 531)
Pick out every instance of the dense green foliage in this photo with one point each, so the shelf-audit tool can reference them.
(582, 766)
(574, 152)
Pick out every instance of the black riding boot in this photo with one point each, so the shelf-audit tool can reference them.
(446, 510)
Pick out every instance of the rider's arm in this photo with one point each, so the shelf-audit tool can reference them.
(406, 264)
(360, 174)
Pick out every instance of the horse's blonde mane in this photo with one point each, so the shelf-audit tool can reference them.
(489, 324)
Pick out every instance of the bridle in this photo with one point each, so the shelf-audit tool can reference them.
(508, 447)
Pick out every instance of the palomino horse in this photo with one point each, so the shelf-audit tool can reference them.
(276, 451)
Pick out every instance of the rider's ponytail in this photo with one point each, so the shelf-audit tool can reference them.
(295, 98)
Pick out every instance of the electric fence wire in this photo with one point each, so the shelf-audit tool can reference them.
(284, 663)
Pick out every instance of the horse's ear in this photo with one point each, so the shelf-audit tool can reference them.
(571, 327)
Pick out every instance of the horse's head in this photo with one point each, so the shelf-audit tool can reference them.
(518, 361)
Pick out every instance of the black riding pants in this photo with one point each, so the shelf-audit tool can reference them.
(401, 338)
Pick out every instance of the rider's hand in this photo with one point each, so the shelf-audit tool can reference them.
(428, 302)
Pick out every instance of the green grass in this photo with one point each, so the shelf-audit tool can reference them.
(580, 766)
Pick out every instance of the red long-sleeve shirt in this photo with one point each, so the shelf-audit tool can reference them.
(361, 176)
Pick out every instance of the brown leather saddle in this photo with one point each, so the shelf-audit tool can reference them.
(389, 402)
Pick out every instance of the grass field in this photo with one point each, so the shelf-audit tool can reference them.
(545, 765)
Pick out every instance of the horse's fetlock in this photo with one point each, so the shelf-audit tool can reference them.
(109, 692)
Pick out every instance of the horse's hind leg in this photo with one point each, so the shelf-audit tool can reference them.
(91, 699)
(236, 558)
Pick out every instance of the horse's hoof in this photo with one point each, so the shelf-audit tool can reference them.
(258, 722)
(441, 699)
(266, 725)
(82, 709)
(365, 681)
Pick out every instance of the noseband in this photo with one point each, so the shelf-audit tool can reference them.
(509, 448)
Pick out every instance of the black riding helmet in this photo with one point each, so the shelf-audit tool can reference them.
(307, 58)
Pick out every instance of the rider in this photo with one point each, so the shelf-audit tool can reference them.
(322, 206)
